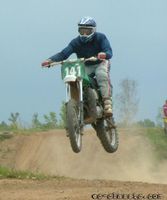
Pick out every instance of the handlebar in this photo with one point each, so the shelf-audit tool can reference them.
(72, 60)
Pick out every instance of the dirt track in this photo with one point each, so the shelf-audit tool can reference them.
(77, 190)
(51, 153)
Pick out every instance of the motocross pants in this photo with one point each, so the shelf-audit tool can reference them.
(101, 72)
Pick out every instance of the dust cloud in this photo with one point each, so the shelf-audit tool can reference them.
(51, 153)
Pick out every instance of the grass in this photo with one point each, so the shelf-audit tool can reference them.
(159, 140)
(15, 174)
(5, 135)
(26, 131)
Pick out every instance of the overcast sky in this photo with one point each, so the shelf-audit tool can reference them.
(33, 30)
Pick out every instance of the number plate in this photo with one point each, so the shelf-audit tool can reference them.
(76, 68)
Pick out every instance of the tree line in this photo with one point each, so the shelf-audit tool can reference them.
(49, 121)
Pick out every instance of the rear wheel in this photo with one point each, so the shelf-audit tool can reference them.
(73, 126)
(107, 133)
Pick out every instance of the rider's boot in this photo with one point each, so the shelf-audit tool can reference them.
(108, 107)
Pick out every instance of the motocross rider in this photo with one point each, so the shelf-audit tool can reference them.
(165, 109)
(91, 43)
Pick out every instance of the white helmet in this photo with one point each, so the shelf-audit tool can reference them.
(86, 29)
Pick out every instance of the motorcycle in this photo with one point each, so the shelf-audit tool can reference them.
(84, 106)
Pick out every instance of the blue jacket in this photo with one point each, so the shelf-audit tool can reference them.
(99, 43)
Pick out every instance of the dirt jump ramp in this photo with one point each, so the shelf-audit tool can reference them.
(50, 153)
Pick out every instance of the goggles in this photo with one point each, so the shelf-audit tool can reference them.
(85, 31)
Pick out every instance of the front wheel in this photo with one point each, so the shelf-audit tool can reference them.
(73, 126)
(107, 133)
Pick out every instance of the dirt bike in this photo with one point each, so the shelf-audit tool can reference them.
(84, 106)
(165, 125)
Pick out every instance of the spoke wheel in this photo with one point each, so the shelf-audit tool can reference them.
(73, 126)
(107, 134)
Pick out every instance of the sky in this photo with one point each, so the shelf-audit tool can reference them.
(33, 30)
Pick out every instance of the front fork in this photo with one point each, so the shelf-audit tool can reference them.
(75, 91)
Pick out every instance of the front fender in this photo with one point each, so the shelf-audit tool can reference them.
(70, 78)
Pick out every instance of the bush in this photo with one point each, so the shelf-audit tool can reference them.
(146, 123)
(159, 141)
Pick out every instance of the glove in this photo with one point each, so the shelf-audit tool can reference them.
(46, 63)
(101, 56)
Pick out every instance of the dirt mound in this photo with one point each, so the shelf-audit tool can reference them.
(51, 153)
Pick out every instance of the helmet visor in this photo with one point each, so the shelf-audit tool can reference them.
(85, 31)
